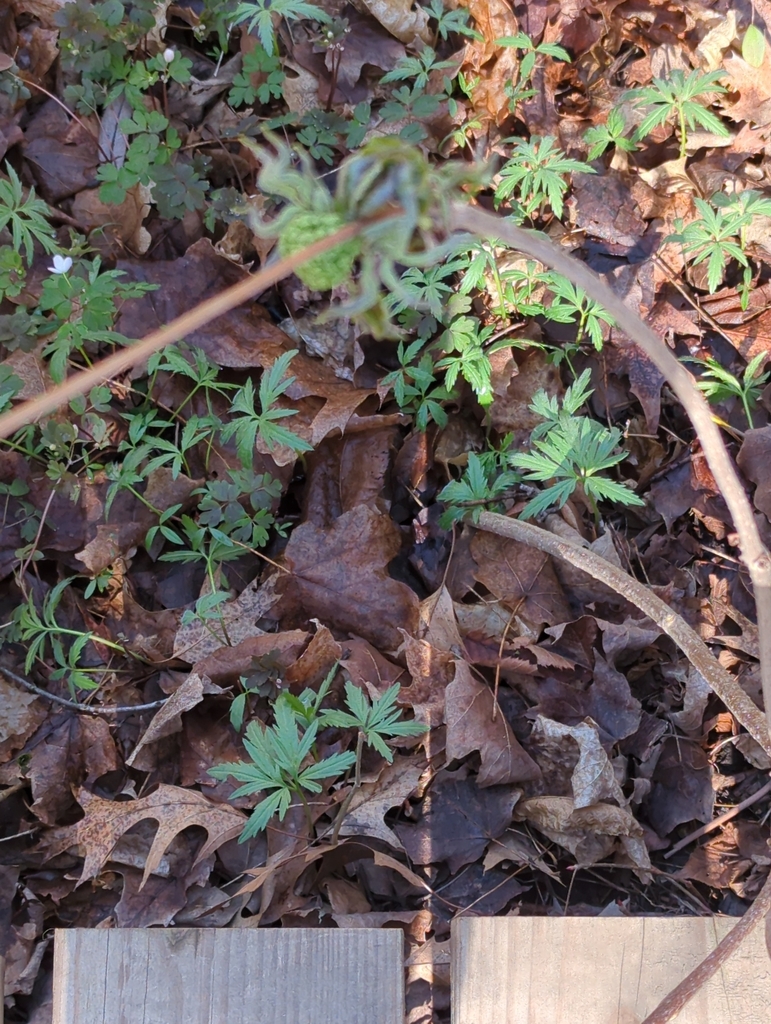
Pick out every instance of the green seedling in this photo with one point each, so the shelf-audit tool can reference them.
(718, 384)
(678, 99)
(573, 451)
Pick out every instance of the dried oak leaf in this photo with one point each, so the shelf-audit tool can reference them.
(172, 807)
(339, 575)
(754, 88)
(470, 726)
(496, 66)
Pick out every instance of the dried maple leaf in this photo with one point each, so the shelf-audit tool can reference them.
(340, 576)
(172, 807)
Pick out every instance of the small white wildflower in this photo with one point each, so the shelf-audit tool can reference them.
(168, 55)
(61, 264)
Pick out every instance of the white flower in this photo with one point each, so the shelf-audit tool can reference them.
(168, 55)
(61, 264)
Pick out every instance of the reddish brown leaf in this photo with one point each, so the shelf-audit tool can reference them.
(522, 577)
(339, 576)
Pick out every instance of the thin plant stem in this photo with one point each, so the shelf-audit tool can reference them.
(356, 783)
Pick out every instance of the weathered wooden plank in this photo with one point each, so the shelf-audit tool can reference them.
(228, 976)
(537, 970)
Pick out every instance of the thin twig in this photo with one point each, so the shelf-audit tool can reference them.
(720, 820)
(753, 550)
(84, 709)
(672, 1004)
(690, 643)
(126, 358)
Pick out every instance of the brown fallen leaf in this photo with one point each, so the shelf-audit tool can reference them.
(372, 801)
(20, 715)
(591, 834)
(340, 576)
(200, 638)
(76, 751)
(106, 821)
(457, 821)
(168, 719)
(521, 577)
(470, 726)
(593, 779)
(406, 21)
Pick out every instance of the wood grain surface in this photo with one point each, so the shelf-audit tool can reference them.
(228, 976)
(536, 970)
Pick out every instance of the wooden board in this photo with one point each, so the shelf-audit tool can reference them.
(228, 976)
(537, 970)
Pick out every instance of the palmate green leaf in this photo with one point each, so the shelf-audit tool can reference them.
(602, 489)
(557, 495)
(26, 219)
(277, 803)
(259, 15)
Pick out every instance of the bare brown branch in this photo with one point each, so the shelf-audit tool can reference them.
(689, 642)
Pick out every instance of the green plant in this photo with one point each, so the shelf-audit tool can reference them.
(77, 308)
(573, 304)
(415, 387)
(24, 218)
(534, 177)
(257, 61)
(41, 631)
(718, 384)
(418, 68)
(520, 89)
(612, 133)
(483, 483)
(678, 99)
(260, 13)
(385, 176)
(720, 233)
(450, 22)
(283, 760)
(572, 450)
(247, 423)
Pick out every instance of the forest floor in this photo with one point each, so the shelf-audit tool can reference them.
(267, 532)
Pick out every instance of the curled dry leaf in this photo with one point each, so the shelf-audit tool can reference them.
(593, 779)
(172, 807)
(406, 21)
(590, 833)
(168, 719)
